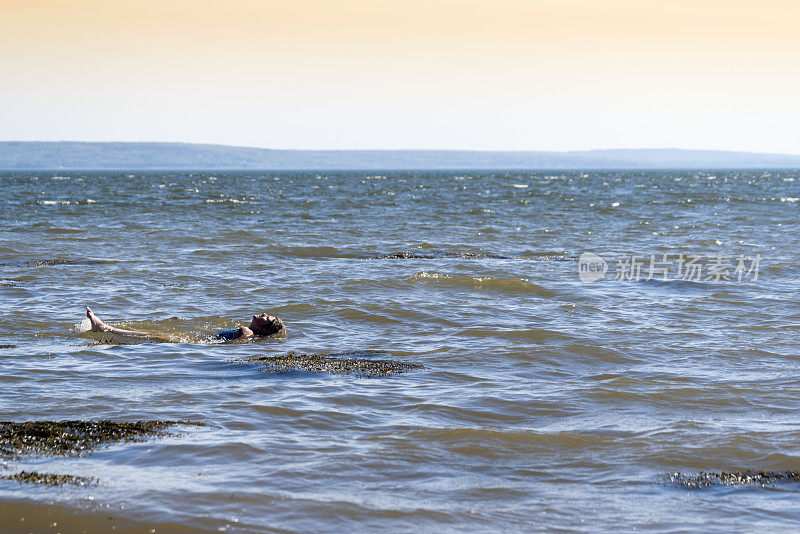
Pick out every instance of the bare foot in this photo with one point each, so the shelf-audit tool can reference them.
(97, 324)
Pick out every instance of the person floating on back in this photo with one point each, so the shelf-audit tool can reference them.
(262, 325)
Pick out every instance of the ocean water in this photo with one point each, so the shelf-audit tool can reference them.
(546, 402)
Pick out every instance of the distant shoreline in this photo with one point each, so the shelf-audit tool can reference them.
(120, 157)
(378, 170)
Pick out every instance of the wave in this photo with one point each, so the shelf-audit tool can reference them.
(733, 478)
(226, 200)
(681, 284)
(483, 283)
(49, 263)
(466, 255)
(65, 202)
(537, 335)
(308, 251)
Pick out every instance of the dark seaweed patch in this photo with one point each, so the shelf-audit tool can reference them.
(343, 363)
(733, 478)
(64, 438)
(8, 346)
(45, 263)
(445, 254)
(49, 479)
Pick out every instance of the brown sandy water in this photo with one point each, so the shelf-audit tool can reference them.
(543, 402)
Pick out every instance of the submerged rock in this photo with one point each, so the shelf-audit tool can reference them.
(49, 479)
(63, 438)
(343, 363)
(733, 478)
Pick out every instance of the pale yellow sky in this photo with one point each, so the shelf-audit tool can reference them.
(499, 74)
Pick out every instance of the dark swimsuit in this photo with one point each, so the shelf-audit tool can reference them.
(227, 335)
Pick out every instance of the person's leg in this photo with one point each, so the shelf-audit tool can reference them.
(97, 324)
(100, 326)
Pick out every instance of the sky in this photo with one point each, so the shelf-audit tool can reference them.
(430, 74)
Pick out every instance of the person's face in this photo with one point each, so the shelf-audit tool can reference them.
(262, 321)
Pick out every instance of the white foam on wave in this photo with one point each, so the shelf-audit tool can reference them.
(789, 199)
(425, 275)
(83, 326)
(53, 202)
(520, 186)
(218, 200)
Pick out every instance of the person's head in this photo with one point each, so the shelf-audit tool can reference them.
(266, 325)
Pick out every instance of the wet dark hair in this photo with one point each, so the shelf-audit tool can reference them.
(271, 329)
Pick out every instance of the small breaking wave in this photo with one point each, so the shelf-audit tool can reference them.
(50, 263)
(226, 201)
(734, 478)
(482, 282)
(65, 202)
(464, 255)
(83, 326)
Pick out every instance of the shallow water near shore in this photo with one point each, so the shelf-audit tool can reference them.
(543, 401)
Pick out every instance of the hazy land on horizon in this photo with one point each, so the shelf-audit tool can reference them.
(40, 155)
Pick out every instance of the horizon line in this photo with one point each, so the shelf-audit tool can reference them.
(485, 150)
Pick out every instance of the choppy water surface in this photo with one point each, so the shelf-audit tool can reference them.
(544, 402)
